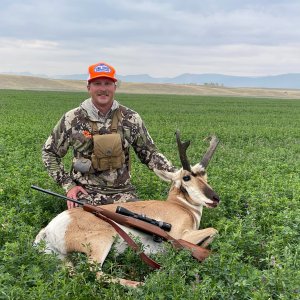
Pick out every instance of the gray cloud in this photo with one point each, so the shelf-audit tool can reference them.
(65, 36)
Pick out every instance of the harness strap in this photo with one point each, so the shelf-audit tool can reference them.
(131, 243)
(94, 127)
(115, 118)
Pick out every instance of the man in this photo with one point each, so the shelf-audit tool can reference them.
(100, 132)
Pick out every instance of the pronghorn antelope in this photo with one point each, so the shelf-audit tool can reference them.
(81, 231)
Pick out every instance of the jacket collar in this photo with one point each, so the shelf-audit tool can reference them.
(93, 113)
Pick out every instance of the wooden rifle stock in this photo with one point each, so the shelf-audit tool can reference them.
(197, 252)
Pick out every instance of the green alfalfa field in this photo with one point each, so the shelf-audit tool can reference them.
(255, 171)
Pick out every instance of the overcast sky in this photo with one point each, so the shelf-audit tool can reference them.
(156, 37)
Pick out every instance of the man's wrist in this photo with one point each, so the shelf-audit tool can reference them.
(68, 186)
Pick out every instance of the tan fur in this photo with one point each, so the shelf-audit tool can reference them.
(183, 209)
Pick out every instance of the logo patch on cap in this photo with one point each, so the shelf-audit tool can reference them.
(102, 68)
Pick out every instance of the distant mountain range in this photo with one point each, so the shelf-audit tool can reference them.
(286, 81)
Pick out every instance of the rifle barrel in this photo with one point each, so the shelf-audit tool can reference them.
(56, 194)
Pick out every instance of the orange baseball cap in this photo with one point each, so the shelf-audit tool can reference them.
(101, 69)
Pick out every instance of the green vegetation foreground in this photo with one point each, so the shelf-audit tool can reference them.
(255, 170)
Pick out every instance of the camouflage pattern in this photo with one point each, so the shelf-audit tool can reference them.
(74, 130)
(96, 198)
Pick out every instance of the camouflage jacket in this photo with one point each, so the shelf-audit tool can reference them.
(74, 130)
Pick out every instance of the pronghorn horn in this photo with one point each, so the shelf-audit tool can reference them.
(182, 152)
(210, 151)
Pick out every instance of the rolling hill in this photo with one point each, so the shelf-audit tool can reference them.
(45, 84)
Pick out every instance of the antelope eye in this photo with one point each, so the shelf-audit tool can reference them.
(186, 178)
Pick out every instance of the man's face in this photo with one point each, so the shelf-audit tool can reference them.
(102, 91)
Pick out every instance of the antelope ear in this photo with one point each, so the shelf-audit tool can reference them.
(165, 175)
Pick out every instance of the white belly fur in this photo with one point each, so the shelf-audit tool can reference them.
(54, 234)
(149, 245)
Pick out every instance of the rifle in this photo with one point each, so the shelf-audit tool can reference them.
(197, 252)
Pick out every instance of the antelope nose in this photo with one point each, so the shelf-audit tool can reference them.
(216, 198)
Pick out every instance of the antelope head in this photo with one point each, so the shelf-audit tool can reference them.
(190, 182)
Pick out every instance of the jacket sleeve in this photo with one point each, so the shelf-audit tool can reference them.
(145, 148)
(54, 149)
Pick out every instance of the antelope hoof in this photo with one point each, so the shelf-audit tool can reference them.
(207, 240)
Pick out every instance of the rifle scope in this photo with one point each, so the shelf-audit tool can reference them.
(124, 211)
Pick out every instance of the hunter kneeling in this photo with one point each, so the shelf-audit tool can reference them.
(100, 131)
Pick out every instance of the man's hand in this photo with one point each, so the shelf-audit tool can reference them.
(72, 193)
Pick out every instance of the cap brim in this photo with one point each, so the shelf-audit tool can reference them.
(103, 76)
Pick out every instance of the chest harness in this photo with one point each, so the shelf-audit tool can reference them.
(107, 152)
